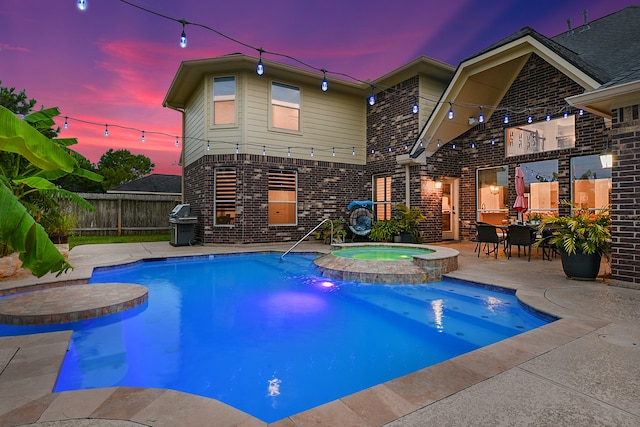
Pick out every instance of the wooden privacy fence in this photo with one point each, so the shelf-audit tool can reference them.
(123, 214)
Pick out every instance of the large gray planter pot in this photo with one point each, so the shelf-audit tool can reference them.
(581, 266)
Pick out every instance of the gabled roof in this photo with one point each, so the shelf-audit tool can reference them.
(151, 184)
(596, 55)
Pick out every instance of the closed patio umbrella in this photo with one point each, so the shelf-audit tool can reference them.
(520, 205)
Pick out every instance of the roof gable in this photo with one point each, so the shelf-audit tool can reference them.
(154, 183)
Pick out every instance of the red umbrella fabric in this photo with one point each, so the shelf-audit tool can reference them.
(520, 205)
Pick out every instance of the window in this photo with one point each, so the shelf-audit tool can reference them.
(493, 195)
(224, 203)
(285, 106)
(382, 197)
(224, 100)
(282, 197)
(590, 183)
(541, 187)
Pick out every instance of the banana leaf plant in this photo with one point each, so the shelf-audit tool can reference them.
(29, 161)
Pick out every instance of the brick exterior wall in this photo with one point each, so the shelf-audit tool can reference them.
(392, 129)
(539, 87)
(324, 191)
(625, 208)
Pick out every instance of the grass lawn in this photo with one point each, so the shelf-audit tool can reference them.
(89, 240)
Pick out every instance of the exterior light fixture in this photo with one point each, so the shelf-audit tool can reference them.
(606, 157)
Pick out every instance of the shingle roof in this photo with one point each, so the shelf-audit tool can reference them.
(610, 43)
(154, 183)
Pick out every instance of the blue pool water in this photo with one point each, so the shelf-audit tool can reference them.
(270, 337)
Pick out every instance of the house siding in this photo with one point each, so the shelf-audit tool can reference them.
(194, 126)
(625, 212)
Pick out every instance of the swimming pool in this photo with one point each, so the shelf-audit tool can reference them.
(270, 337)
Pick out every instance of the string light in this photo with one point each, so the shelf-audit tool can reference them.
(143, 138)
(481, 116)
(106, 130)
(353, 151)
(325, 84)
(260, 66)
(566, 114)
(82, 5)
(264, 150)
(493, 142)
(473, 145)
(506, 118)
(333, 151)
(66, 123)
(183, 36)
(415, 105)
(548, 117)
(450, 115)
(237, 148)
(311, 151)
(208, 146)
(529, 117)
(288, 151)
(580, 112)
(177, 142)
(372, 97)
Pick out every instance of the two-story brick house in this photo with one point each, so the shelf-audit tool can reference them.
(287, 154)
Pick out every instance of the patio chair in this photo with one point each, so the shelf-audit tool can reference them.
(488, 234)
(520, 235)
(548, 250)
(360, 218)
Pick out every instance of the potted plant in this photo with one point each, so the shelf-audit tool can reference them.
(534, 218)
(383, 230)
(339, 232)
(581, 238)
(408, 220)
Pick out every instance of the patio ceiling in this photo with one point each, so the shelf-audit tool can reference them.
(483, 80)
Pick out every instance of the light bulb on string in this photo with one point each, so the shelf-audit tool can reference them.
(177, 143)
(143, 139)
(506, 118)
(353, 151)
(288, 151)
(580, 112)
(450, 115)
(333, 151)
(325, 84)
(390, 149)
(183, 36)
(493, 142)
(529, 117)
(237, 148)
(82, 5)
(438, 143)
(264, 150)
(453, 146)
(66, 124)
(481, 116)
(566, 114)
(106, 130)
(473, 145)
(372, 99)
(415, 106)
(548, 117)
(208, 146)
(311, 152)
(260, 67)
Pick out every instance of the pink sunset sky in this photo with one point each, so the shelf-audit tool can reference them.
(113, 63)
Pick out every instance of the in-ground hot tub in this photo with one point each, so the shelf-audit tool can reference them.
(387, 263)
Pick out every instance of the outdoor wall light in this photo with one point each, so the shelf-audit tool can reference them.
(606, 157)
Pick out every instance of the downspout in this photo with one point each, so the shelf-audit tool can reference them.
(407, 186)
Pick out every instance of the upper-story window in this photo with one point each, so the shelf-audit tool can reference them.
(224, 100)
(285, 106)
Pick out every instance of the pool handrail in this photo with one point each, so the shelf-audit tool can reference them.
(308, 234)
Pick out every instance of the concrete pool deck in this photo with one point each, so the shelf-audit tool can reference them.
(581, 370)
